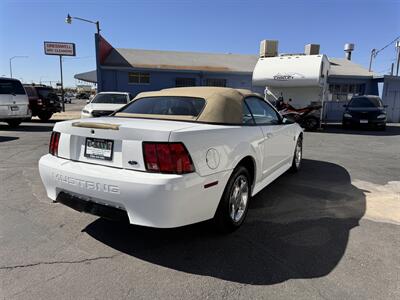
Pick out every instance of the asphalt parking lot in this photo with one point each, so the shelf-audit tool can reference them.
(330, 231)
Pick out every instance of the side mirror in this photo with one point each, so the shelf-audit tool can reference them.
(385, 106)
(286, 121)
(345, 105)
(87, 101)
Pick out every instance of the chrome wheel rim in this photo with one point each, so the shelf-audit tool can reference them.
(239, 197)
(298, 154)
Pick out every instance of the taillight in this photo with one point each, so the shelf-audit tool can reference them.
(53, 147)
(167, 158)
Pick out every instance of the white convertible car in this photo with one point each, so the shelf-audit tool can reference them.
(173, 157)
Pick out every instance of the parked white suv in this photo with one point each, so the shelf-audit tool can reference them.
(14, 103)
(105, 103)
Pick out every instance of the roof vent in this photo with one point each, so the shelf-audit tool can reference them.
(268, 48)
(348, 48)
(311, 49)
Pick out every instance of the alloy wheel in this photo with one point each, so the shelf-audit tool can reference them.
(238, 199)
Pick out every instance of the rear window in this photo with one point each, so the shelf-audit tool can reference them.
(110, 98)
(45, 92)
(169, 105)
(11, 87)
(365, 102)
(30, 91)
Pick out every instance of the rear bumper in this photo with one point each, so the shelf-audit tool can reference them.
(23, 113)
(149, 199)
(356, 122)
(93, 208)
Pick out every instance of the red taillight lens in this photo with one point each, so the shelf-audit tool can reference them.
(167, 158)
(53, 147)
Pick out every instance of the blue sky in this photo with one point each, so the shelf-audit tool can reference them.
(204, 25)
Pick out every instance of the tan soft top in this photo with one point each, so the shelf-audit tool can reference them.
(223, 105)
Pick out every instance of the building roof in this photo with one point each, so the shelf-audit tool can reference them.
(341, 67)
(178, 60)
(90, 76)
(223, 105)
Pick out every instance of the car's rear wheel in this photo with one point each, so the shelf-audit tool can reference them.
(298, 155)
(45, 116)
(233, 207)
(310, 123)
(14, 123)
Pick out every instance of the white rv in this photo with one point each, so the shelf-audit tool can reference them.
(300, 77)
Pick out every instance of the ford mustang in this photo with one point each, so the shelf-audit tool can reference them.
(172, 157)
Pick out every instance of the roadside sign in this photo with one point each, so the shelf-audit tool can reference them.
(60, 49)
(57, 48)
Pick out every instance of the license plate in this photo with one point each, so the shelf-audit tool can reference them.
(99, 149)
(363, 121)
(14, 108)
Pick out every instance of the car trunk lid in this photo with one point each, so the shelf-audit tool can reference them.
(114, 142)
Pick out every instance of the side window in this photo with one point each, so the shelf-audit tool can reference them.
(18, 89)
(262, 112)
(247, 118)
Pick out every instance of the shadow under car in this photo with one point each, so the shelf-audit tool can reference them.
(297, 227)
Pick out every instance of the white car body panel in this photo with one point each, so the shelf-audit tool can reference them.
(164, 200)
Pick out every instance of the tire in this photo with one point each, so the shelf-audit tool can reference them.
(14, 123)
(45, 116)
(231, 213)
(310, 123)
(298, 156)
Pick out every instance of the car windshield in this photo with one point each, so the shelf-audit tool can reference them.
(365, 102)
(45, 92)
(110, 98)
(169, 105)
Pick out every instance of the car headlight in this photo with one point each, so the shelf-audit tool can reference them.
(85, 111)
(347, 115)
(381, 116)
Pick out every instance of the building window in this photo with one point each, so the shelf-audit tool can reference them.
(216, 82)
(182, 82)
(138, 78)
(344, 92)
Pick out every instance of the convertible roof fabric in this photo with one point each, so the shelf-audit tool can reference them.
(223, 105)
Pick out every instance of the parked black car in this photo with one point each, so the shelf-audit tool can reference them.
(366, 111)
(83, 95)
(43, 101)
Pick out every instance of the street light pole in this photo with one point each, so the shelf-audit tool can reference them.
(11, 58)
(69, 18)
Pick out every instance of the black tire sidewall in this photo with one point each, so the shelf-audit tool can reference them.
(45, 116)
(14, 123)
(294, 167)
(222, 216)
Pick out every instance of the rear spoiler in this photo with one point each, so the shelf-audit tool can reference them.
(96, 125)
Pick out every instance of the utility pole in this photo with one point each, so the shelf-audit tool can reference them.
(62, 85)
(398, 57)
(373, 54)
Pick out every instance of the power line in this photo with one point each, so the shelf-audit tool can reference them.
(375, 52)
(383, 48)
